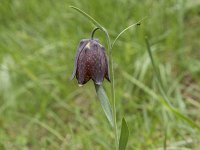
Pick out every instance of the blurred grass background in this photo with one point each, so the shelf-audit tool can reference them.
(41, 109)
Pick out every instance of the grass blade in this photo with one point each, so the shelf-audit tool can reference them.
(163, 93)
(124, 135)
(101, 94)
(165, 140)
(43, 125)
(161, 99)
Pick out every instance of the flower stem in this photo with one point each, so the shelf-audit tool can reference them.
(112, 83)
(113, 103)
(113, 90)
(92, 34)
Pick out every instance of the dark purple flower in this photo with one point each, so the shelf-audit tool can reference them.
(91, 62)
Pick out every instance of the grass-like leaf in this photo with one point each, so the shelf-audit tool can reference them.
(165, 140)
(163, 93)
(101, 94)
(137, 23)
(43, 125)
(96, 23)
(161, 99)
(88, 16)
(124, 135)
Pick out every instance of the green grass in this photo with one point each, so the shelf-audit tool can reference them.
(41, 109)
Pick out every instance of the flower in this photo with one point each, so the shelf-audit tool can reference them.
(91, 62)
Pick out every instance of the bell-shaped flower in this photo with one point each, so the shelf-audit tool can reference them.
(91, 62)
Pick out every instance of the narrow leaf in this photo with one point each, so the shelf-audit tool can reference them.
(137, 23)
(101, 94)
(96, 23)
(163, 92)
(161, 99)
(89, 17)
(124, 135)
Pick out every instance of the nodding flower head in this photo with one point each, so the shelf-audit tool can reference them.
(91, 62)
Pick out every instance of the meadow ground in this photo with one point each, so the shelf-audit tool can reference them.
(40, 108)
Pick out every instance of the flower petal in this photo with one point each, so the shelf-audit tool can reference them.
(83, 73)
(99, 66)
(81, 46)
(107, 70)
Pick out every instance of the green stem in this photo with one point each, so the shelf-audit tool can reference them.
(112, 86)
(98, 25)
(113, 90)
(92, 34)
(113, 102)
